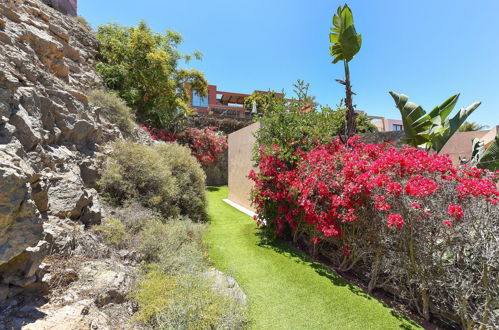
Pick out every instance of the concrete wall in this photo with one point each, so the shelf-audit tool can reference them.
(240, 164)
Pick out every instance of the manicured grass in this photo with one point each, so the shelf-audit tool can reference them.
(286, 289)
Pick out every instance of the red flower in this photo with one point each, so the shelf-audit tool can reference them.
(395, 220)
(455, 211)
(416, 206)
(448, 223)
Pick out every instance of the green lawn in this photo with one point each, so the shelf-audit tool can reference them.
(286, 289)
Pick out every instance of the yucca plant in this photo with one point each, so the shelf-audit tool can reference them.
(431, 130)
(345, 44)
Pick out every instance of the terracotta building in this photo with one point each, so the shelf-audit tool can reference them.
(220, 103)
(387, 125)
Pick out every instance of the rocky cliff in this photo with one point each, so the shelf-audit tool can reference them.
(49, 136)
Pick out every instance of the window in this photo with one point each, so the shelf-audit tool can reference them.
(199, 101)
(397, 127)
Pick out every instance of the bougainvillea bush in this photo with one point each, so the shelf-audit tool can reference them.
(405, 220)
(205, 143)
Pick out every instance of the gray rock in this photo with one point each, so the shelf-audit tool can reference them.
(4, 292)
(225, 285)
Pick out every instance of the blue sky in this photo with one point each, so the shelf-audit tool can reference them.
(428, 50)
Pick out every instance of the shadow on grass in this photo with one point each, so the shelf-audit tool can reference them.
(293, 253)
(213, 188)
(298, 256)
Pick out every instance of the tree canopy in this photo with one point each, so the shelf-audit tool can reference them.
(144, 68)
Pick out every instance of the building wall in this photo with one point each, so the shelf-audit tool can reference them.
(240, 164)
(67, 7)
(386, 125)
(461, 142)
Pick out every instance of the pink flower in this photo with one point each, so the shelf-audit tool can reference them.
(315, 240)
(416, 206)
(455, 211)
(448, 223)
(395, 220)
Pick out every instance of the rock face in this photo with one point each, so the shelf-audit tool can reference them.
(68, 7)
(49, 134)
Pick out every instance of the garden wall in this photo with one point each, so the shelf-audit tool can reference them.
(240, 164)
(217, 174)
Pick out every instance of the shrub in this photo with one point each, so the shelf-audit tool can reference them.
(113, 231)
(289, 129)
(184, 302)
(206, 144)
(163, 177)
(406, 220)
(83, 22)
(189, 179)
(182, 247)
(115, 109)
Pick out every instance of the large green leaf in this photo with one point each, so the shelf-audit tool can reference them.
(451, 126)
(433, 129)
(416, 121)
(490, 157)
(478, 148)
(345, 40)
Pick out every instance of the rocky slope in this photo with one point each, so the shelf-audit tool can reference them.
(49, 137)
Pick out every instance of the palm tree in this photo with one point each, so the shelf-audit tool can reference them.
(471, 126)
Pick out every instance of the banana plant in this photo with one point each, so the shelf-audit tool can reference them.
(485, 158)
(345, 44)
(431, 130)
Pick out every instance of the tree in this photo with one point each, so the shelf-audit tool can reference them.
(144, 68)
(264, 100)
(346, 44)
(431, 130)
(471, 126)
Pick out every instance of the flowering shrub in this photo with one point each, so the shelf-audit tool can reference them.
(205, 143)
(405, 219)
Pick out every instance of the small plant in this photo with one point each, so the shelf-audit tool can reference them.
(84, 23)
(185, 302)
(113, 231)
(115, 109)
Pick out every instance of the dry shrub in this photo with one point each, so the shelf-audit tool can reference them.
(164, 177)
(114, 108)
(113, 232)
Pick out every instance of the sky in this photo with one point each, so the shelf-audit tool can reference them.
(428, 50)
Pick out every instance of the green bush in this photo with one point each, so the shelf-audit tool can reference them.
(144, 68)
(189, 179)
(113, 231)
(184, 302)
(164, 177)
(115, 109)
